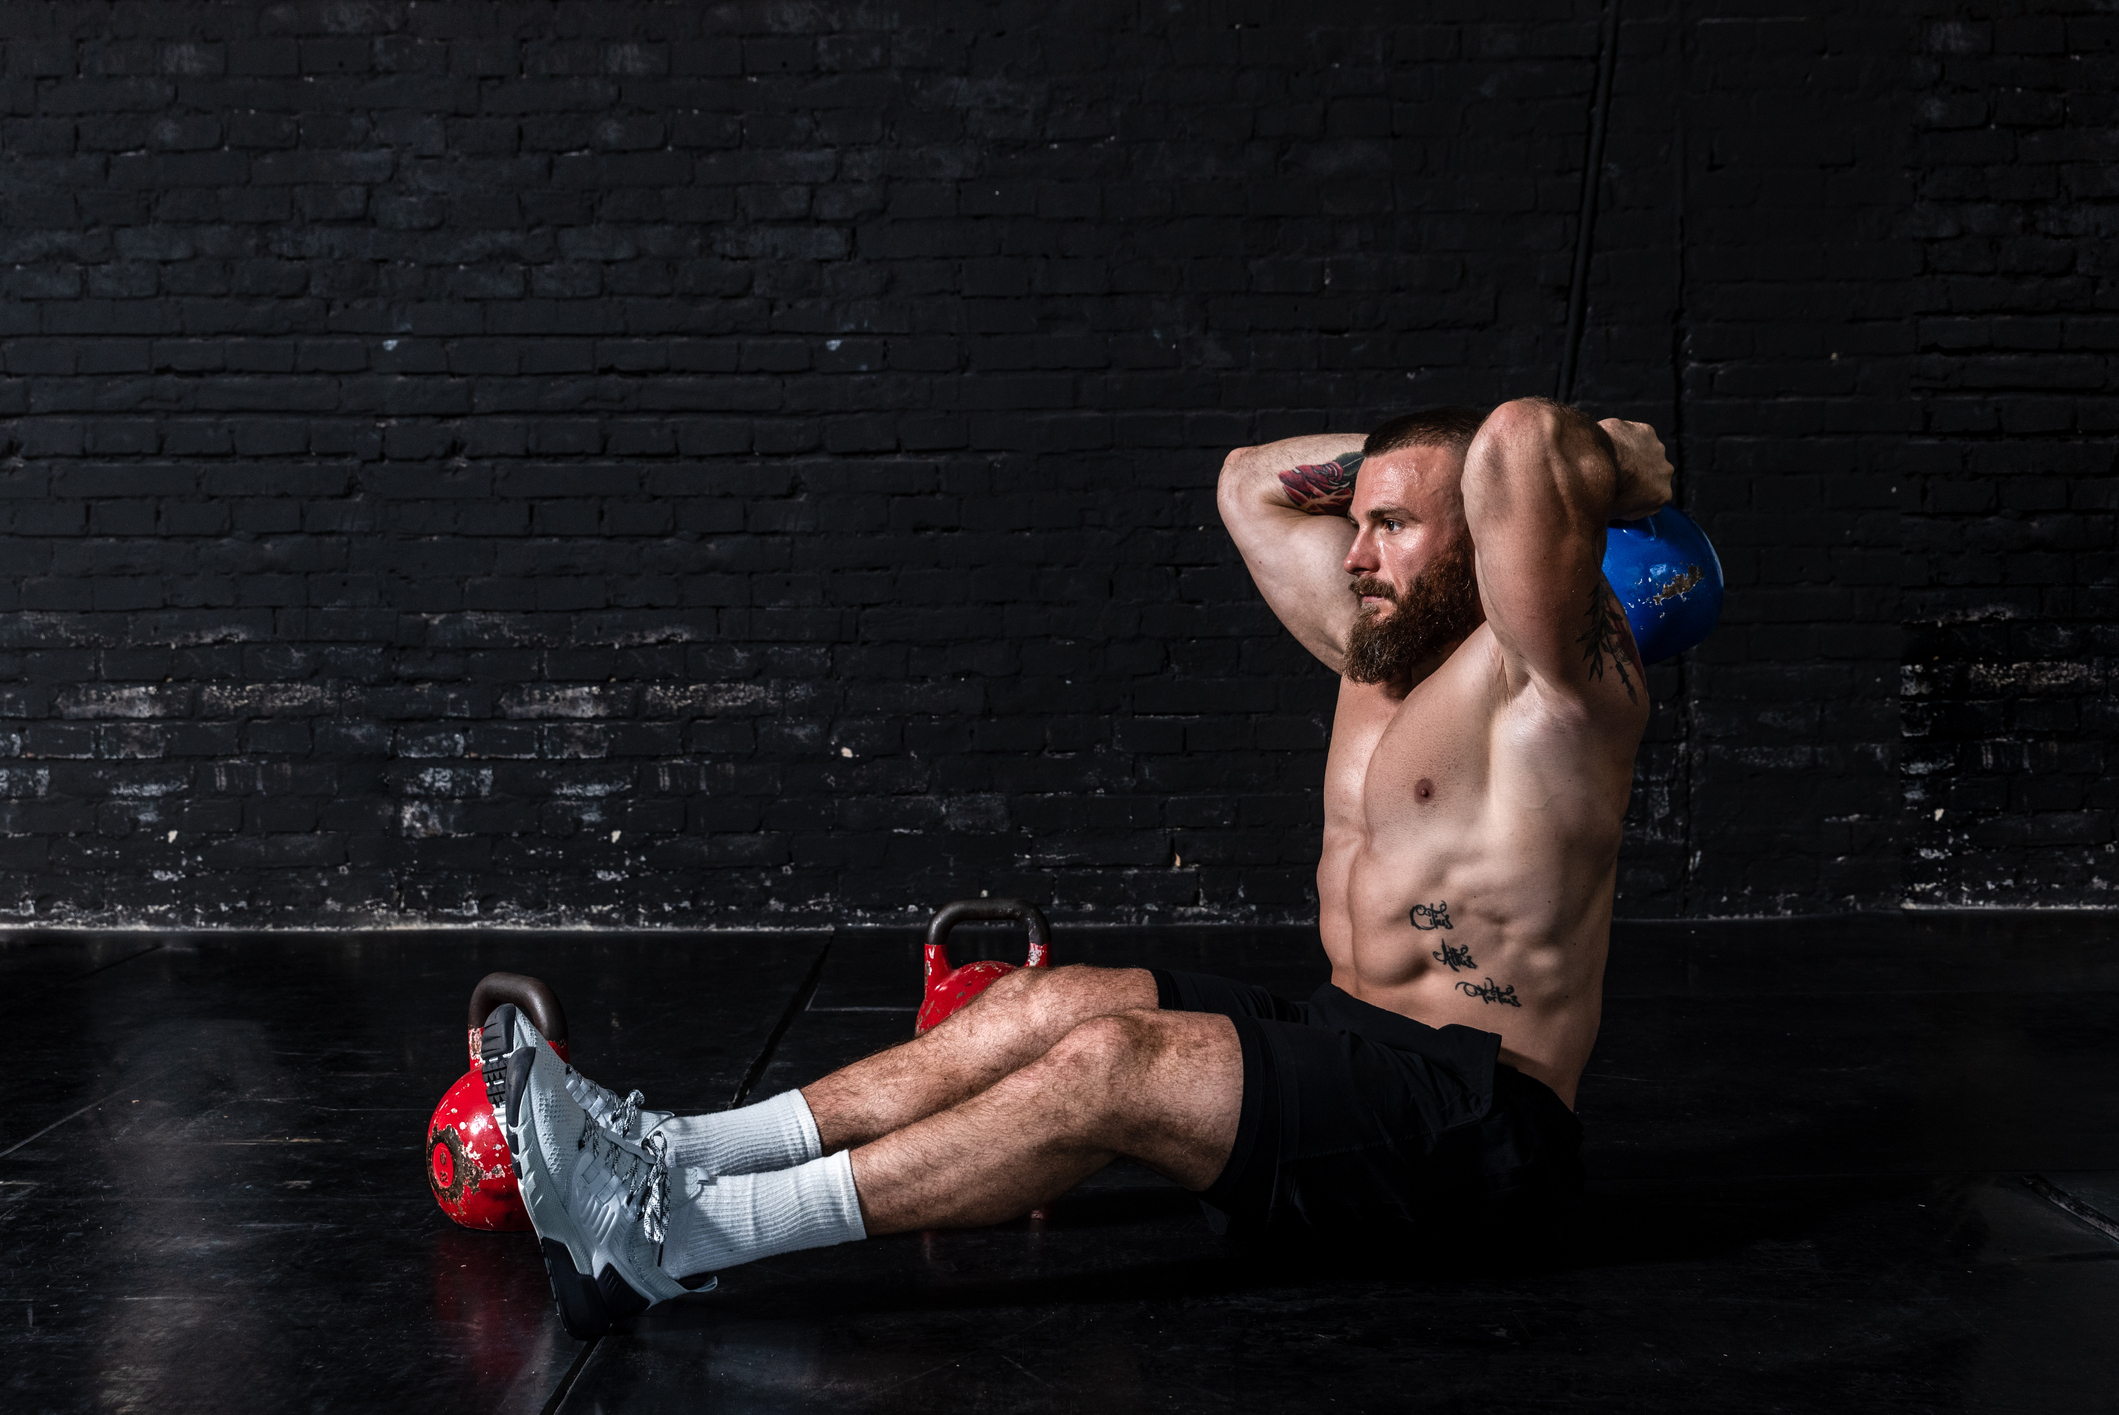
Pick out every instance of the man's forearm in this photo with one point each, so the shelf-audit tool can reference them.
(1321, 488)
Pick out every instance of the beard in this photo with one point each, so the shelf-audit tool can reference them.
(1438, 609)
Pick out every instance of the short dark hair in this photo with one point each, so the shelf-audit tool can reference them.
(1451, 426)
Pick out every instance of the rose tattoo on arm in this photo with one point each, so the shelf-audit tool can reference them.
(1322, 487)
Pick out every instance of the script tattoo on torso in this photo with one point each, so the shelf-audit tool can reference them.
(1457, 956)
(1605, 638)
(1429, 917)
(1432, 916)
(1491, 991)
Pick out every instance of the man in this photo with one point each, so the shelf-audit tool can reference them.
(1490, 703)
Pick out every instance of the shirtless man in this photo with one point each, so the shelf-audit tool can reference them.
(1490, 703)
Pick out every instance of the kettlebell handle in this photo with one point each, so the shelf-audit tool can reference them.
(528, 993)
(975, 910)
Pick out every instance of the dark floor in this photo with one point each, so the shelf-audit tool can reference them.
(1833, 1163)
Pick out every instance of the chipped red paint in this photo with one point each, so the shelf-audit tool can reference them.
(477, 1186)
(469, 1168)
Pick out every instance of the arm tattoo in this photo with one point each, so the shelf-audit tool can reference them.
(1491, 991)
(1323, 487)
(1606, 637)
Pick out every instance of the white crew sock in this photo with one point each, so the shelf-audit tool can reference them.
(737, 1218)
(772, 1134)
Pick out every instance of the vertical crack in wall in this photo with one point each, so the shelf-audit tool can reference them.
(1679, 354)
(1586, 204)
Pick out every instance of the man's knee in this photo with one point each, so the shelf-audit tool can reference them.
(1059, 996)
(1025, 991)
(1102, 1055)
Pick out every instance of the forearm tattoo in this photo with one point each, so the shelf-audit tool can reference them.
(1491, 991)
(1324, 486)
(1606, 638)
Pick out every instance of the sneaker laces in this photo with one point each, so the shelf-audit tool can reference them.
(642, 1170)
(628, 1113)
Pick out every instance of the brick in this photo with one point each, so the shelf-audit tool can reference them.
(433, 395)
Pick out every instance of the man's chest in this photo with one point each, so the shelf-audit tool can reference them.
(1408, 765)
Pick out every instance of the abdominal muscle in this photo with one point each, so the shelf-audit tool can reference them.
(1469, 964)
(1459, 905)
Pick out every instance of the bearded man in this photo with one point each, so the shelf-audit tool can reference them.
(1449, 568)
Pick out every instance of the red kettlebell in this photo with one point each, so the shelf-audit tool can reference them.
(950, 988)
(468, 1164)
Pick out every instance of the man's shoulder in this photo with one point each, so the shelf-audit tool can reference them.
(1473, 685)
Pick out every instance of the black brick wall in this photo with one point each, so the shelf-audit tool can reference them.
(675, 464)
(2010, 602)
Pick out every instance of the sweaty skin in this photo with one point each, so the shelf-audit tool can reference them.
(1473, 807)
(1472, 815)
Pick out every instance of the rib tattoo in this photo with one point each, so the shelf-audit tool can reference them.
(1491, 991)
(1323, 486)
(1432, 916)
(1606, 637)
(1457, 956)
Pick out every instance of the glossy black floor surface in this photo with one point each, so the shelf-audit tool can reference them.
(1865, 1164)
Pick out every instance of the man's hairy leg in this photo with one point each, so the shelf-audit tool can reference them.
(1165, 1088)
(1013, 1023)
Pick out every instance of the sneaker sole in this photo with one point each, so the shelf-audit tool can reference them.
(588, 1306)
(493, 1052)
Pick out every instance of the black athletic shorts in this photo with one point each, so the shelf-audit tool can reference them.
(1355, 1118)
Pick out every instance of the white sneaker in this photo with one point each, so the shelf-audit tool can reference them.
(621, 1117)
(599, 1202)
(624, 1117)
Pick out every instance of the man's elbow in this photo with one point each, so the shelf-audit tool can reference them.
(1236, 469)
(1523, 421)
(1535, 432)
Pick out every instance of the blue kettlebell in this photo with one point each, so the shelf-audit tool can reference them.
(1665, 571)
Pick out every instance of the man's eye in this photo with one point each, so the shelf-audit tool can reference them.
(1390, 525)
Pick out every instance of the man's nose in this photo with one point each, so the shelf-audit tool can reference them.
(1361, 555)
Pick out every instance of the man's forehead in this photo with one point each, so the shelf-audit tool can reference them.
(1408, 474)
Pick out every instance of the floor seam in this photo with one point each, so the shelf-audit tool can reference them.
(794, 1008)
(68, 982)
(75, 1115)
(565, 1387)
(2068, 1204)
